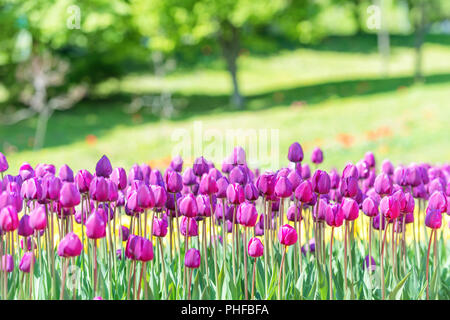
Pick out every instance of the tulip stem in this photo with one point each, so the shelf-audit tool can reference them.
(331, 255)
(233, 243)
(245, 264)
(189, 285)
(63, 280)
(163, 267)
(281, 269)
(428, 262)
(345, 255)
(382, 264)
(95, 266)
(253, 280)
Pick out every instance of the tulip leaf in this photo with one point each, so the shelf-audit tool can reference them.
(397, 291)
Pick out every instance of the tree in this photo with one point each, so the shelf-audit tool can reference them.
(171, 24)
(422, 14)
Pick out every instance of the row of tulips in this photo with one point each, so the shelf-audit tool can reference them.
(210, 225)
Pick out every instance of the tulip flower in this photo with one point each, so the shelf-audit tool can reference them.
(295, 153)
(191, 261)
(27, 259)
(7, 263)
(255, 249)
(70, 246)
(3, 163)
(287, 237)
(317, 156)
(66, 174)
(83, 180)
(103, 167)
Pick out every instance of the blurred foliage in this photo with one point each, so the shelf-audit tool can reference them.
(116, 37)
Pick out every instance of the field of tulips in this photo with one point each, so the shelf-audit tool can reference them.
(370, 231)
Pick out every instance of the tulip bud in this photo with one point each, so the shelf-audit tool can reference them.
(66, 174)
(390, 208)
(387, 167)
(103, 167)
(283, 188)
(266, 184)
(3, 163)
(317, 156)
(200, 166)
(208, 185)
(235, 193)
(119, 177)
(143, 250)
(188, 206)
(287, 235)
(370, 207)
(192, 258)
(247, 215)
(334, 215)
(69, 195)
(433, 218)
(304, 192)
(96, 225)
(9, 221)
(38, 218)
(383, 184)
(369, 158)
(321, 182)
(159, 227)
(25, 263)
(177, 164)
(350, 209)
(438, 201)
(295, 153)
(7, 262)
(193, 227)
(294, 214)
(174, 181)
(25, 230)
(255, 248)
(70, 246)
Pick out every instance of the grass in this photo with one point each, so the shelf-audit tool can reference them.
(330, 95)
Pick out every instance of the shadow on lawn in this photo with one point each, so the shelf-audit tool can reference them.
(95, 118)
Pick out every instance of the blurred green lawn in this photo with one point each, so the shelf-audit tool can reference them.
(332, 96)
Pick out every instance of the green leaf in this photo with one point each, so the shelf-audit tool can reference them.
(397, 291)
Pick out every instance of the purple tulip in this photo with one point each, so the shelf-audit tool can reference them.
(25, 263)
(295, 153)
(70, 246)
(294, 214)
(7, 263)
(192, 258)
(9, 221)
(317, 156)
(66, 174)
(103, 167)
(143, 250)
(188, 206)
(247, 215)
(208, 185)
(159, 227)
(193, 227)
(383, 184)
(387, 167)
(287, 235)
(369, 158)
(390, 208)
(69, 195)
(266, 184)
(369, 264)
(3, 163)
(304, 192)
(38, 218)
(96, 225)
(200, 166)
(283, 188)
(235, 193)
(119, 177)
(177, 164)
(334, 215)
(350, 208)
(438, 201)
(370, 207)
(255, 248)
(433, 218)
(321, 182)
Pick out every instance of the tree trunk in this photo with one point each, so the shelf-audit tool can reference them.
(420, 35)
(41, 128)
(229, 41)
(383, 39)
